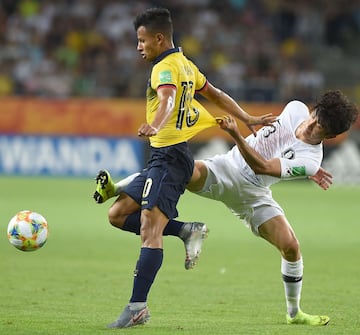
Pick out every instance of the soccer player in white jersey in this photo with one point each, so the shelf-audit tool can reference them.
(290, 148)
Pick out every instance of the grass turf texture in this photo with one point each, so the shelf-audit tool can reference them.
(82, 278)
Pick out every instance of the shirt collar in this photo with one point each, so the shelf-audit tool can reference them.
(166, 53)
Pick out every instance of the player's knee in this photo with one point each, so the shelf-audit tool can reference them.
(198, 177)
(152, 226)
(115, 217)
(291, 250)
(147, 223)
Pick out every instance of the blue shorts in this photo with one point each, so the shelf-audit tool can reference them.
(164, 180)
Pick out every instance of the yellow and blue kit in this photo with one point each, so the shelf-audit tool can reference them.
(189, 117)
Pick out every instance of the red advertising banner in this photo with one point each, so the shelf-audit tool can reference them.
(71, 117)
(96, 117)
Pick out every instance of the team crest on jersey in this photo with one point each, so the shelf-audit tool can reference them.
(288, 154)
(165, 76)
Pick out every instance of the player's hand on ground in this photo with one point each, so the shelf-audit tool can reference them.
(147, 130)
(323, 178)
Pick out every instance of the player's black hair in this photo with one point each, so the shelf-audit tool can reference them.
(155, 20)
(335, 112)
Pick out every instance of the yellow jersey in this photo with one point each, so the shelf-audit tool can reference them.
(189, 117)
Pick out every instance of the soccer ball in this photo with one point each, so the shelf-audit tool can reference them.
(27, 231)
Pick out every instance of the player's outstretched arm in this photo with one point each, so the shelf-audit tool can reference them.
(256, 161)
(230, 106)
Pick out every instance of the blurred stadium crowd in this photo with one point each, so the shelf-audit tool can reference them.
(256, 50)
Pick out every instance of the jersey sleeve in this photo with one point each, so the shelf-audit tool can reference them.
(200, 79)
(298, 168)
(163, 74)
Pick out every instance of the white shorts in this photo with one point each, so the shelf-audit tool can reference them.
(251, 203)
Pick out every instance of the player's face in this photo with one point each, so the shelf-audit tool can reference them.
(320, 130)
(315, 130)
(148, 44)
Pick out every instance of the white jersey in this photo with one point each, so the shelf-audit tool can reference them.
(231, 180)
(298, 159)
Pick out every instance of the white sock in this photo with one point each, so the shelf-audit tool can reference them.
(120, 185)
(292, 273)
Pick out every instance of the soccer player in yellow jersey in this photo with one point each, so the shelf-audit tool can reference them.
(173, 116)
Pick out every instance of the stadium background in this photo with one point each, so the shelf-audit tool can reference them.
(72, 96)
(72, 83)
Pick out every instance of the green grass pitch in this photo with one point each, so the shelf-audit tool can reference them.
(82, 278)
